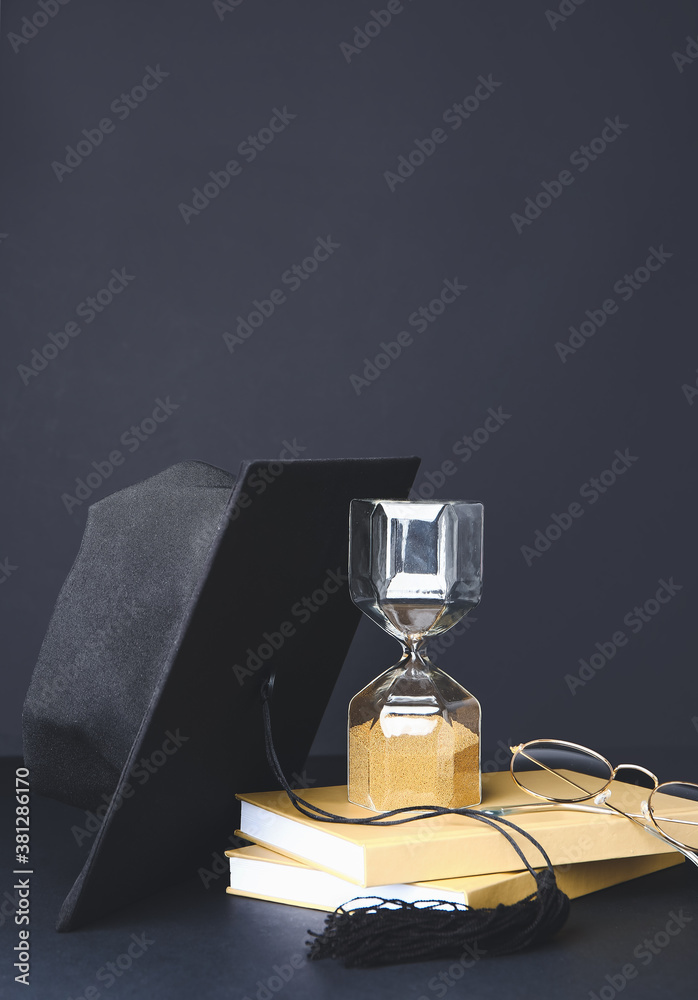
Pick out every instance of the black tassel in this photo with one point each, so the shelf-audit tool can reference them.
(393, 931)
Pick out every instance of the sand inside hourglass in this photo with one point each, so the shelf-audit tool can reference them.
(439, 767)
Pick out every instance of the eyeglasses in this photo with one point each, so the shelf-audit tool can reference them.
(566, 774)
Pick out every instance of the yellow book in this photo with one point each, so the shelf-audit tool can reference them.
(263, 874)
(441, 847)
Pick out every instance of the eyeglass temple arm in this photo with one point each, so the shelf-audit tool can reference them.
(633, 817)
(691, 855)
(545, 807)
(666, 839)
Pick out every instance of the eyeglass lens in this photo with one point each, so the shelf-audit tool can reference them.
(674, 807)
(559, 772)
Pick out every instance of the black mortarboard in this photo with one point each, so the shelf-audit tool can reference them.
(186, 588)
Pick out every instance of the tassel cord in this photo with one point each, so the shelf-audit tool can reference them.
(395, 931)
(384, 819)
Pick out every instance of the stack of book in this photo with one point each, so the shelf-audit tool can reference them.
(299, 861)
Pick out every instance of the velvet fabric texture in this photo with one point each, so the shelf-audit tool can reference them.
(115, 623)
(144, 706)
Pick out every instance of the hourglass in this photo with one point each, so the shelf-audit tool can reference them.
(415, 568)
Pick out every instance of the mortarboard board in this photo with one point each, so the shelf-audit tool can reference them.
(144, 704)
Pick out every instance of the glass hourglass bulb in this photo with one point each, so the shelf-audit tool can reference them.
(415, 569)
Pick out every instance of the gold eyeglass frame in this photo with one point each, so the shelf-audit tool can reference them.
(601, 796)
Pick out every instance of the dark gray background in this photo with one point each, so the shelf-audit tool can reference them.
(494, 347)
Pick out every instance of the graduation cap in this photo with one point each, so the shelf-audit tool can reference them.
(144, 706)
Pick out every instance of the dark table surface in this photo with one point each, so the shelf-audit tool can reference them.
(199, 942)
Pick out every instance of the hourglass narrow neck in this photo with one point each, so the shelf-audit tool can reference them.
(414, 657)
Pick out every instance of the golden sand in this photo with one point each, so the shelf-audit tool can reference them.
(441, 767)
